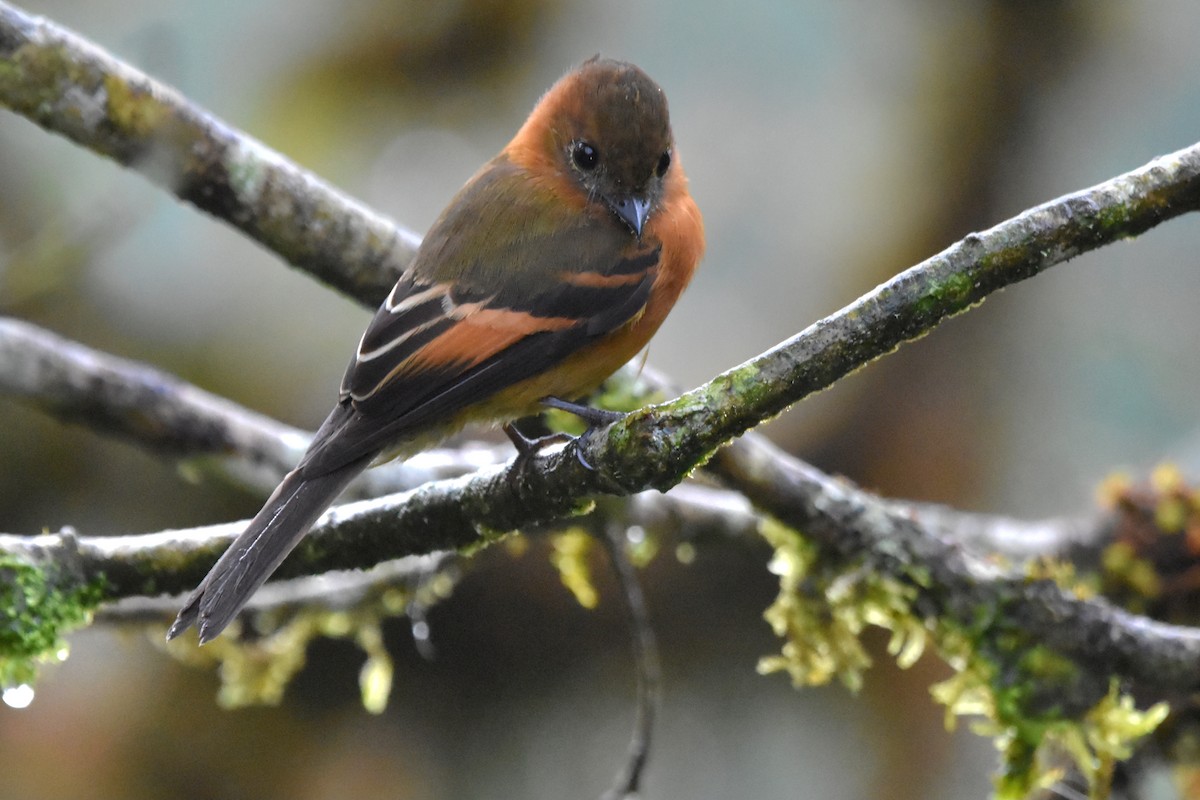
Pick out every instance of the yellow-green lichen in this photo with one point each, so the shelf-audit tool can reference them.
(951, 295)
(1156, 535)
(34, 615)
(1125, 571)
(134, 111)
(821, 614)
(375, 677)
(956, 288)
(9, 72)
(1012, 686)
(570, 555)
(33, 79)
(572, 551)
(1178, 507)
(1063, 573)
(487, 537)
(1009, 683)
(257, 670)
(1035, 751)
(1114, 219)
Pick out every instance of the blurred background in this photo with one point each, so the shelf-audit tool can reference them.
(829, 145)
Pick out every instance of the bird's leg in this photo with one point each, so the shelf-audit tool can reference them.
(528, 447)
(594, 417)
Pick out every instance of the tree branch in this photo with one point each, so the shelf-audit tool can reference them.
(72, 87)
(166, 415)
(950, 582)
(340, 590)
(680, 435)
(146, 566)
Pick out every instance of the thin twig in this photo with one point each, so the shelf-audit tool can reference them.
(645, 658)
(333, 590)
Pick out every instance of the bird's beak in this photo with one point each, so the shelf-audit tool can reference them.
(633, 210)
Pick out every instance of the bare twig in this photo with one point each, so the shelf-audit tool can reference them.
(645, 656)
(335, 590)
(72, 87)
(167, 415)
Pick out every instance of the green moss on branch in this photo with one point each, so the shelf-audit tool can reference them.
(35, 612)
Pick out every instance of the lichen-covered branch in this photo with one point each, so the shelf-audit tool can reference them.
(72, 87)
(899, 310)
(133, 401)
(356, 535)
(167, 415)
(949, 582)
(678, 436)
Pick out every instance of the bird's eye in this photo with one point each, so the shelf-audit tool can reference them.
(584, 156)
(664, 163)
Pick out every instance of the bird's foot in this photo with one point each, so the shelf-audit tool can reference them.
(596, 418)
(527, 448)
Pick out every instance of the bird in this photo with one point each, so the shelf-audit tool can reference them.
(551, 268)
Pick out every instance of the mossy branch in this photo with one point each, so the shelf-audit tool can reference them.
(678, 436)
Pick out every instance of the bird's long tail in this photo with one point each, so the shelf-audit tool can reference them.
(275, 530)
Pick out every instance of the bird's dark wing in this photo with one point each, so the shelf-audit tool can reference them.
(477, 313)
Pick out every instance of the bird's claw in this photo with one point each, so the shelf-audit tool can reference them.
(526, 447)
(596, 418)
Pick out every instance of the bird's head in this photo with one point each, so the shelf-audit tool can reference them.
(605, 125)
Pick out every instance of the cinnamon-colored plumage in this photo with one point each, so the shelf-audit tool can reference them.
(552, 267)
